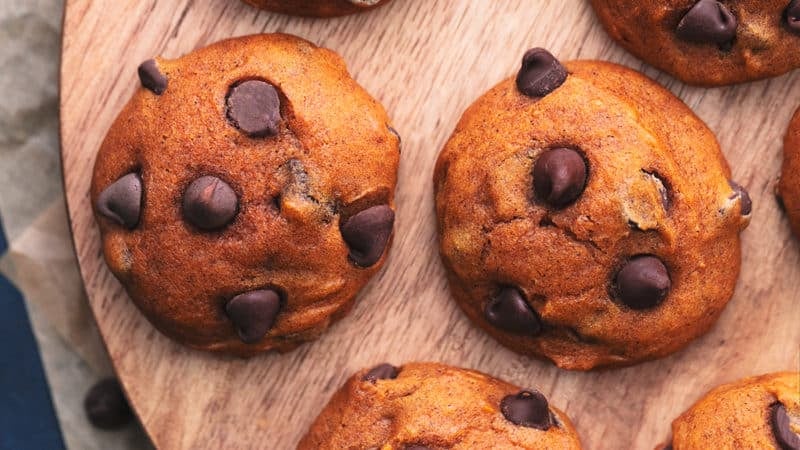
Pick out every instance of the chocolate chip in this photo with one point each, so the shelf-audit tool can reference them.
(541, 73)
(367, 234)
(417, 447)
(106, 406)
(122, 200)
(782, 429)
(663, 188)
(254, 108)
(559, 176)
(253, 313)
(152, 78)
(643, 282)
(381, 372)
(397, 135)
(741, 192)
(209, 203)
(510, 312)
(792, 16)
(528, 408)
(708, 22)
(667, 447)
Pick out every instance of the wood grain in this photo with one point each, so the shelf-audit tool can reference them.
(426, 60)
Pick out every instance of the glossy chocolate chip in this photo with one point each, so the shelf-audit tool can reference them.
(254, 313)
(708, 22)
(367, 233)
(106, 406)
(643, 282)
(209, 203)
(529, 409)
(151, 77)
(510, 312)
(559, 176)
(792, 16)
(741, 192)
(781, 428)
(381, 372)
(255, 108)
(122, 200)
(541, 73)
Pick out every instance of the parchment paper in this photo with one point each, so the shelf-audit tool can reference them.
(40, 260)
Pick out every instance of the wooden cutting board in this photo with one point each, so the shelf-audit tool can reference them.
(426, 60)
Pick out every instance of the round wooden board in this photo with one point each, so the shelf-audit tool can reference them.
(426, 60)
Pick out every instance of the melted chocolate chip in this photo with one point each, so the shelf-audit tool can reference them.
(383, 371)
(643, 282)
(741, 192)
(255, 108)
(367, 233)
(510, 312)
(792, 16)
(122, 201)
(559, 176)
(209, 203)
(106, 406)
(151, 77)
(663, 189)
(708, 22)
(781, 428)
(529, 409)
(541, 73)
(254, 313)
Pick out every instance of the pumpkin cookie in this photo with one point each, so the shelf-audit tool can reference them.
(708, 42)
(245, 193)
(755, 413)
(789, 186)
(587, 216)
(317, 8)
(427, 406)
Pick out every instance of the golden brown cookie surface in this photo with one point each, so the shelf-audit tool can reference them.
(708, 42)
(760, 412)
(317, 8)
(789, 186)
(590, 221)
(433, 406)
(245, 193)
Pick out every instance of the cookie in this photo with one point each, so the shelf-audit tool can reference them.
(433, 406)
(246, 193)
(317, 8)
(789, 185)
(708, 42)
(587, 216)
(760, 412)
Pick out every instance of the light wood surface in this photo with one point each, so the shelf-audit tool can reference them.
(426, 60)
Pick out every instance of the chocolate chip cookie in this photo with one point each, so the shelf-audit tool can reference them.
(246, 193)
(587, 216)
(708, 42)
(317, 8)
(789, 186)
(755, 413)
(432, 406)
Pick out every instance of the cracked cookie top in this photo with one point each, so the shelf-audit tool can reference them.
(317, 8)
(756, 412)
(246, 193)
(789, 186)
(428, 406)
(587, 216)
(708, 42)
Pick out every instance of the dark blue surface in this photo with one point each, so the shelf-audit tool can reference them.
(27, 418)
